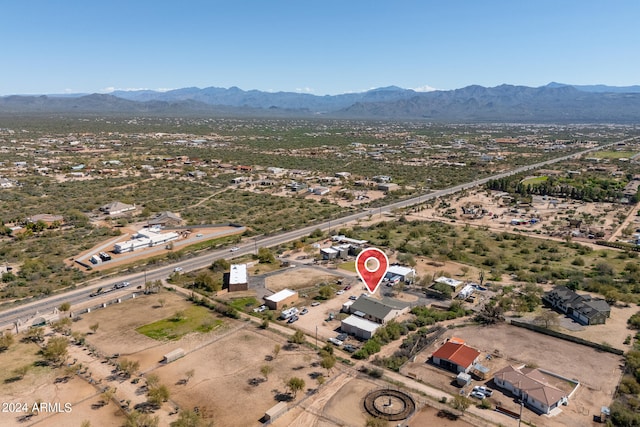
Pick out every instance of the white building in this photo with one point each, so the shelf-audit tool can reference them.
(144, 239)
(359, 327)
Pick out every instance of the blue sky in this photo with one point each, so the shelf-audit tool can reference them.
(321, 47)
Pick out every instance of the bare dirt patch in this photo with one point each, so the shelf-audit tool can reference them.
(298, 279)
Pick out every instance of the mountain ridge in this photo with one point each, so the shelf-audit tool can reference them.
(511, 103)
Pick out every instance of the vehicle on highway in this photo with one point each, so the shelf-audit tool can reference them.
(177, 269)
(335, 341)
(121, 285)
(96, 293)
(234, 249)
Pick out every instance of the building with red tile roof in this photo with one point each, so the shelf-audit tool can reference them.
(456, 356)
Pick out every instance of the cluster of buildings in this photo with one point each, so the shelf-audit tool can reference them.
(145, 238)
(533, 386)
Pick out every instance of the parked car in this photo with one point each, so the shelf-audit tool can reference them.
(293, 319)
(342, 337)
(304, 311)
(347, 287)
(477, 395)
(340, 292)
(353, 297)
(335, 341)
(484, 390)
(260, 309)
(315, 304)
(350, 348)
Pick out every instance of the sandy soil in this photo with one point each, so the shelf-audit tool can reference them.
(598, 372)
(298, 278)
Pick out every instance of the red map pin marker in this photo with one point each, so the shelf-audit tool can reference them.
(372, 265)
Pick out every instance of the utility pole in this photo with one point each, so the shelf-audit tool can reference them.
(316, 336)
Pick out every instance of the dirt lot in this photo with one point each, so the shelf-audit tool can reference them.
(298, 278)
(598, 372)
(39, 385)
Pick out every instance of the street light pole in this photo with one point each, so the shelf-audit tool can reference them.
(520, 417)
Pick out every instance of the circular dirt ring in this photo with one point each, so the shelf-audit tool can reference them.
(391, 405)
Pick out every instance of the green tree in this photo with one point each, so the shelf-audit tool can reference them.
(64, 307)
(265, 256)
(548, 319)
(276, 350)
(138, 419)
(328, 362)
(62, 326)
(188, 375)
(325, 292)
(6, 341)
(128, 367)
(34, 334)
(297, 337)
(376, 422)
(265, 370)
(159, 394)
(220, 265)
(461, 403)
(153, 380)
(55, 352)
(21, 371)
(295, 384)
(187, 418)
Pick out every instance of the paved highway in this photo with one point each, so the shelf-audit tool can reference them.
(250, 245)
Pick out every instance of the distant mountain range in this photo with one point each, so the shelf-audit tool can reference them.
(555, 102)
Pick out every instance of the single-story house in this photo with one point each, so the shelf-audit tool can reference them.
(583, 308)
(455, 356)
(165, 219)
(378, 311)
(532, 387)
(278, 300)
(48, 219)
(116, 208)
(454, 284)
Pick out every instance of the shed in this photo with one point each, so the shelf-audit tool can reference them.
(173, 355)
(278, 300)
(463, 379)
(275, 411)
